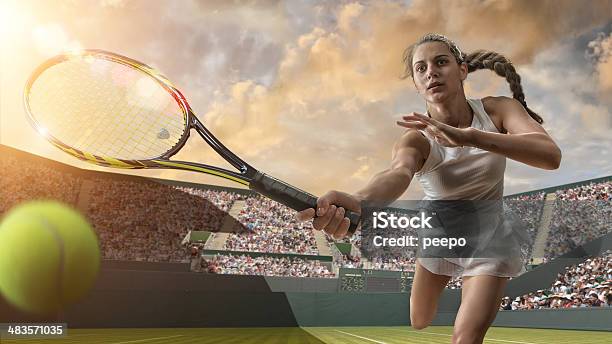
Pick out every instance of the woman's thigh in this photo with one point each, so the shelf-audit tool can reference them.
(480, 299)
(426, 290)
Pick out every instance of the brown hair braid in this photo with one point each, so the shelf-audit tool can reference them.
(480, 59)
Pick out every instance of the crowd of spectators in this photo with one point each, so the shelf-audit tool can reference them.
(455, 283)
(586, 284)
(23, 180)
(347, 261)
(526, 211)
(594, 191)
(272, 228)
(581, 214)
(265, 266)
(146, 221)
(223, 200)
(393, 263)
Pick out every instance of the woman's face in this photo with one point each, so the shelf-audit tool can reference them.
(436, 74)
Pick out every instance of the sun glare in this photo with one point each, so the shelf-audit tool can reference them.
(13, 19)
(19, 24)
(43, 131)
(52, 39)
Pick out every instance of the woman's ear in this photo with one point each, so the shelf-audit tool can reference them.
(463, 71)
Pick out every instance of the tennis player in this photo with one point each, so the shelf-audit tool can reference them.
(457, 151)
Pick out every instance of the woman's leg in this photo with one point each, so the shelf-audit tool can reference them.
(480, 300)
(426, 290)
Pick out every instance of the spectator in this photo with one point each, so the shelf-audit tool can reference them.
(583, 285)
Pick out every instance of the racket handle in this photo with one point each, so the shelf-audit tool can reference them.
(293, 197)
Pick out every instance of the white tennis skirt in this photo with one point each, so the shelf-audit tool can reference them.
(498, 254)
(458, 267)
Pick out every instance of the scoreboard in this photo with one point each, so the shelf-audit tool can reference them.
(375, 281)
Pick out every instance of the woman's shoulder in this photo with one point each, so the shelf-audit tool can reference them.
(416, 144)
(413, 138)
(493, 106)
(495, 102)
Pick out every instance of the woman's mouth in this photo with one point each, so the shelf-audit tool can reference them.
(435, 87)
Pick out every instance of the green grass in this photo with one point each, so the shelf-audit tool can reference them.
(316, 335)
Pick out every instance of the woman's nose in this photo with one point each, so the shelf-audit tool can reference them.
(432, 73)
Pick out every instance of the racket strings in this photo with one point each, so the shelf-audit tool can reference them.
(107, 109)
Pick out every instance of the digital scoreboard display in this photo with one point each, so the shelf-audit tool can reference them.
(375, 281)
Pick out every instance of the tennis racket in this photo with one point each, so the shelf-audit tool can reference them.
(113, 111)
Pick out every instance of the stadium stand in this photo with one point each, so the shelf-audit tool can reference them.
(265, 266)
(273, 228)
(581, 214)
(24, 179)
(586, 284)
(143, 219)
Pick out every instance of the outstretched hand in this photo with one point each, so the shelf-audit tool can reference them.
(444, 134)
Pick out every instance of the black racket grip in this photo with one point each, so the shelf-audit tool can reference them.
(293, 197)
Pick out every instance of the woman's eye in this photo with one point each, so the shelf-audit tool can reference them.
(420, 69)
(441, 62)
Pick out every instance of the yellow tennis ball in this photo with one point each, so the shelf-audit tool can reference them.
(49, 256)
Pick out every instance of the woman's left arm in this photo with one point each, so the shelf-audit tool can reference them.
(526, 141)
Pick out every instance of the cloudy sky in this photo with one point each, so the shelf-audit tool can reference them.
(309, 91)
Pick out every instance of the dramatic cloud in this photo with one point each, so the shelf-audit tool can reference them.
(600, 52)
(309, 91)
(343, 79)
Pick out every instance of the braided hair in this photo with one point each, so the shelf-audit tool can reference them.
(480, 59)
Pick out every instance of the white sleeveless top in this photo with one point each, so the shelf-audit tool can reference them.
(464, 173)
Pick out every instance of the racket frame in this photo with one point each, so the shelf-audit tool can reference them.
(244, 176)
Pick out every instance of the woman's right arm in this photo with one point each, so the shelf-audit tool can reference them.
(409, 155)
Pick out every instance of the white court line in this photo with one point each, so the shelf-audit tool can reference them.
(147, 339)
(486, 339)
(354, 335)
(508, 341)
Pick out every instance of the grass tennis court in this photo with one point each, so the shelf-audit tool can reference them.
(317, 335)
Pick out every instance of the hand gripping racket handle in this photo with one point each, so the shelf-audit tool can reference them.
(293, 197)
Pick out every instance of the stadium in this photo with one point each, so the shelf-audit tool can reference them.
(192, 263)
